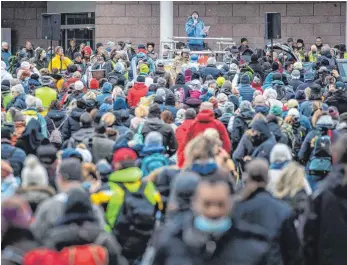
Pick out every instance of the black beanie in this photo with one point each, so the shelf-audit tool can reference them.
(190, 114)
(254, 58)
(140, 79)
(275, 66)
(154, 110)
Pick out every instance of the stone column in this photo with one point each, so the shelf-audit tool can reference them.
(346, 25)
(166, 21)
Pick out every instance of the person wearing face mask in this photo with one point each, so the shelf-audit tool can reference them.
(40, 59)
(319, 44)
(5, 53)
(257, 207)
(244, 45)
(207, 234)
(195, 28)
(262, 140)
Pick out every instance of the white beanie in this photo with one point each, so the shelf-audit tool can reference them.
(270, 93)
(280, 153)
(17, 88)
(78, 85)
(25, 65)
(33, 172)
(294, 112)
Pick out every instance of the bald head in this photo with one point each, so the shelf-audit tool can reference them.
(206, 106)
(257, 170)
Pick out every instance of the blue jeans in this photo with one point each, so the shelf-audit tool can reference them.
(195, 47)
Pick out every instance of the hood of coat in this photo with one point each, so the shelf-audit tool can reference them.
(56, 115)
(154, 124)
(36, 194)
(139, 86)
(82, 134)
(205, 116)
(130, 174)
(76, 114)
(247, 115)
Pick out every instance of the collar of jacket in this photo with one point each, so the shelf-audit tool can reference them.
(130, 174)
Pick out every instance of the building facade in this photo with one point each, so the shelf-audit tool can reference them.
(104, 21)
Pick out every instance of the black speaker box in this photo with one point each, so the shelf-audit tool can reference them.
(272, 26)
(51, 26)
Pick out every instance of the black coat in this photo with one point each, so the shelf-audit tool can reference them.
(257, 68)
(56, 117)
(88, 233)
(339, 100)
(277, 218)
(295, 83)
(157, 125)
(325, 231)
(240, 125)
(180, 243)
(72, 123)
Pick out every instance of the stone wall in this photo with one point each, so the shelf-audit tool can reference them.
(24, 18)
(139, 21)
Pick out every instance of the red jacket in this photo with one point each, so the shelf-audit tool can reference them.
(181, 132)
(138, 91)
(204, 120)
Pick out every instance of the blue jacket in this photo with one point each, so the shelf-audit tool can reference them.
(172, 109)
(268, 80)
(18, 102)
(246, 92)
(9, 186)
(14, 155)
(195, 31)
(210, 70)
(106, 92)
(264, 150)
(5, 56)
(306, 108)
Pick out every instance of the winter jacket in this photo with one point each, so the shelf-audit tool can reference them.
(70, 52)
(72, 124)
(176, 243)
(204, 120)
(47, 212)
(306, 108)
(61, 65)
(32, 113)
(57, 117)
(275, 129)
(326, 227)
(257, 68)
(244, 148)
(9, 185)
(225, 119)
(210, 70)
(264, 150)
(180, 83)
(268, 80)
(276, 217)
(195, 31)
(169, 138)
(181, 132)
(17, 102)
(339, 100)
(100, 146)
(240, 125)
(5, 56)
(138, 91)
(72, 234)
(262, 109)
(246, 92)
(14, 155)
(79, 136)
(305, 85)
(47, 95)
(105, 93)
(295, 83)
(35, 195)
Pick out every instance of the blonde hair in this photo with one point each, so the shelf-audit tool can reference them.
(109, 119)
(141, 111)
(200, 147)
(89, 95)
(291, 181)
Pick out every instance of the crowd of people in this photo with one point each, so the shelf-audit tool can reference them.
(110, 157)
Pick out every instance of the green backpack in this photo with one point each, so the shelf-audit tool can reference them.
(138, 137)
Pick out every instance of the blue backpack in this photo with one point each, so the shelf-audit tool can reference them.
(321, 159)
(152, 162)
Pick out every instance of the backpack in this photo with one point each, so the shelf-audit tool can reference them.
(320, 162)
(56, 137)
(138, 137)
(281, 91)
(153, 162)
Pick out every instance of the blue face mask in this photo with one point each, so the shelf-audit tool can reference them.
(207, 225)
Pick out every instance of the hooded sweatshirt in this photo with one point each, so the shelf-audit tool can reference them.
(138, 91)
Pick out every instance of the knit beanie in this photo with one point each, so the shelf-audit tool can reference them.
(276, 110)
(33, 173)
(245, 80)
(228, 107)
(259, 100)
(295, 74)
(154, 138)
(190, 114)
(94, 83)
(245, 106)
(140, 79)
(144, 69)
(280, 153)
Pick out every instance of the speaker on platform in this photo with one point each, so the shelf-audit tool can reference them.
(51, 26)
(272, 25)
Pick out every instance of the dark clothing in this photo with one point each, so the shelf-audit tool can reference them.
(72, 124)
(339, 100)
(276, 218)
(17, 102)
(275, 129)
(325, 231)
(182, 243)
(34, 195)
(71, 51)
(295, 83)
(257, 68)
(79, 136)
(244, 148)
(157, 125)
(100, 147)
(264, 150)
(298, 202)
(210, 70)
(56, 117)
(246, 92)
(31, 138)
(87, 233)
(305, 85)
(240, 125)
(14, 155)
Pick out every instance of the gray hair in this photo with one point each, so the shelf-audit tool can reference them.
(17, 88)
(211, 60)
(161, 82)
(30, 101)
